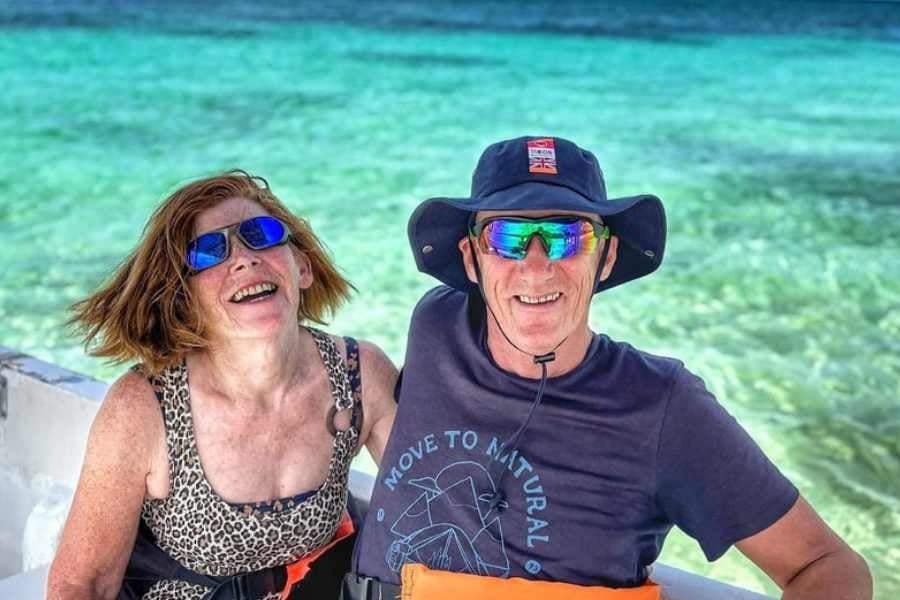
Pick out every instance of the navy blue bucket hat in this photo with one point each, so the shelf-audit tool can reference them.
(534, 173)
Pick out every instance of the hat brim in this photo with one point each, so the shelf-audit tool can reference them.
(437, 225)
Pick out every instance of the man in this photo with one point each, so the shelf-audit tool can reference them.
(528, 450)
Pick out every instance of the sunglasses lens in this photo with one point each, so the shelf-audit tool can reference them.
(561, 238)
(508, 239)
(568, 239)
(262, 232)
(207, 251)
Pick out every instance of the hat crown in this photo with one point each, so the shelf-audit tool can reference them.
(558, 162)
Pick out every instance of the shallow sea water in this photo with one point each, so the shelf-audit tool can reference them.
(771, 132)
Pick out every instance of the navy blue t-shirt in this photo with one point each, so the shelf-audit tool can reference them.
(620, 449)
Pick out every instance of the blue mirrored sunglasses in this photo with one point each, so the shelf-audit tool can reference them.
(213, 247)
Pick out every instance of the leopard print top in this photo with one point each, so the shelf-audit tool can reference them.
(207, 534)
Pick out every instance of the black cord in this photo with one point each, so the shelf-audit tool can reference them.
(496, 499)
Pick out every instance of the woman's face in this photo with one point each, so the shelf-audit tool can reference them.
(252, 294)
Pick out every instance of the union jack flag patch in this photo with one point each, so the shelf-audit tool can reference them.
(542, 156)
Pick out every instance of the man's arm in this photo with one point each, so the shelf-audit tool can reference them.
(807, 559)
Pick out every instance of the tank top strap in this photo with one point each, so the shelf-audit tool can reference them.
(341, 390)
(171, 389)
(355, 376)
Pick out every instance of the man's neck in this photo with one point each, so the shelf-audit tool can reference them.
(569, 354)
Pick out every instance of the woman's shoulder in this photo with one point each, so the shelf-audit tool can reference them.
(127, 437)
(130, 408)
(374, 364)
(373, 359)
(133, 388)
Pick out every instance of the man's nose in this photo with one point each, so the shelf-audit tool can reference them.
(536, 259)
(535, 249)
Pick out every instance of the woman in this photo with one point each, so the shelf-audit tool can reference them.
(230, 444)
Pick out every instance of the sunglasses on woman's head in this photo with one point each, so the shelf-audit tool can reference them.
(562, 236)
(213, 247)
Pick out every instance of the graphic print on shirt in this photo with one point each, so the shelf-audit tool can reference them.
(448, 520)
(430, 531)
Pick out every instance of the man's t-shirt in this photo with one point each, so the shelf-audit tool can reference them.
(620, 449)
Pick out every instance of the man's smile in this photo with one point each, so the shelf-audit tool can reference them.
(538, 300)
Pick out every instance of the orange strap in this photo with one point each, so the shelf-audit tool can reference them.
(421, 583)
(296, 571)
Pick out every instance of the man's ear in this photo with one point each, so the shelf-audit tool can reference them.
(465, 248)
(610, 257)
(304, 268)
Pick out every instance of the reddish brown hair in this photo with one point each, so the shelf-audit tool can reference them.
(145, 311)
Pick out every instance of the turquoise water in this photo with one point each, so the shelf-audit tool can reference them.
(771, 132)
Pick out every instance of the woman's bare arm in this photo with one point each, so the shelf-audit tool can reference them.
(379, 376)
(102, 524)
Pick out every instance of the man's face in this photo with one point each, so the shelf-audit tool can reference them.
(537, 301)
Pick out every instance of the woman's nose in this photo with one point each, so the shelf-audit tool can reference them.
(241, 256)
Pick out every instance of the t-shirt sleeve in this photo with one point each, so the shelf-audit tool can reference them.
(713, 480)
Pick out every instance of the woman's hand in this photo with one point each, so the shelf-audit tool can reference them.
(125, 441)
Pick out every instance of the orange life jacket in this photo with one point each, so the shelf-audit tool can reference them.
(296, 571)
(418, 582)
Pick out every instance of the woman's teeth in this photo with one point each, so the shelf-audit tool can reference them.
(539, 299)
(253, 290)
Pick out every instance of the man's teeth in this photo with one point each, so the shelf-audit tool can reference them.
(252, 290)
(539, 299)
